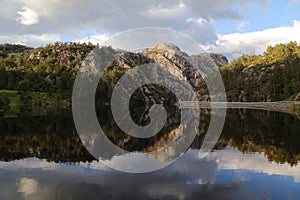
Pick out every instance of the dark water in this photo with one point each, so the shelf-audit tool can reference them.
(257, 157)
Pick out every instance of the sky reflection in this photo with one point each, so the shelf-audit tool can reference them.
(223, 174)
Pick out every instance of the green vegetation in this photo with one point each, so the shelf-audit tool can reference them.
(42, 79)
(273, 76)
(36, 103)
(107, 83)
(50, 137)
(6, 49)
(296, 107)
(45, 69)
(274, 134)
(8, 99)
(45, 75)
(4, 103)
(12, 96)
(54, 137)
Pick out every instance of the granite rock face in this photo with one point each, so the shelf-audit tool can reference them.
(178, 63)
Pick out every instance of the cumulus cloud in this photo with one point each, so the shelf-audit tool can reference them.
(36, 22)
(71, 18)
(32, 40)
(141, 38)
(28, 186)
(27, 16)
(222, 172)
(95, 39)
(233, 45)
(235, 160)
(225, 9)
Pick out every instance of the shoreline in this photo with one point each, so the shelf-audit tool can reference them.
(292, 107)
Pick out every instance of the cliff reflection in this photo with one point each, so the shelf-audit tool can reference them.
(53, 137)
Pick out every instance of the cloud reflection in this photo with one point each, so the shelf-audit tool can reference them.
(188, 178)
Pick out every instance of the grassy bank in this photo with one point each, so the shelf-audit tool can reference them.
(296, 108)
(33, 103)
(12, 95)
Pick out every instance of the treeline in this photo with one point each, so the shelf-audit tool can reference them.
(274, 134)
(272, 76)
(45, 69)
(53, 137)
(4, 103)
(46, 137)
(6, 49)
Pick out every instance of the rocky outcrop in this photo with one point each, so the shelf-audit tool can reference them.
(219, 59)
(209, 62)
(178, 63)
(129, 60)
(297, 97)
(67, 54)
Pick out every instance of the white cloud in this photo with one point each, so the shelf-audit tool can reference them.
(256, 162)
(95, 39)
(71, 18)
(39, 179)
(29, 39)
(27, 186)
(27, 16)
(139, 39)
(53, 19)
(225, 9)
(161, 13)
(233, 45)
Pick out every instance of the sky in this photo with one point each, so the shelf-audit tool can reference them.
(230, 27)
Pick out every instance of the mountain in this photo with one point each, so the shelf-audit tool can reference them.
(177, 62)
(272, 76)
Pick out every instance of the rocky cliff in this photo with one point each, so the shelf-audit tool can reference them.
(177, 62)
(272, 76)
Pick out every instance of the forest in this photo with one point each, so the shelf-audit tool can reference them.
(272, 76)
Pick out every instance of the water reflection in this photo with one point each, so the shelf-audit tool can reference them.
(257, 157)
(277, 135)
(223, 174)
(53, 137)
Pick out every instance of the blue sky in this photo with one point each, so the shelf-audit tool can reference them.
(230, 27)
(277, 13)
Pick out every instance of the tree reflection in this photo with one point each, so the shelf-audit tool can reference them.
(53, 137)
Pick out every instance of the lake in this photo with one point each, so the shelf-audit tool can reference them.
(257, 157)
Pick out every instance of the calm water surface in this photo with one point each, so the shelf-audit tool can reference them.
(41, 157)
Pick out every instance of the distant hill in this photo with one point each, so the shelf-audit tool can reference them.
(272, 76)
(51, 68)
(6, 49)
